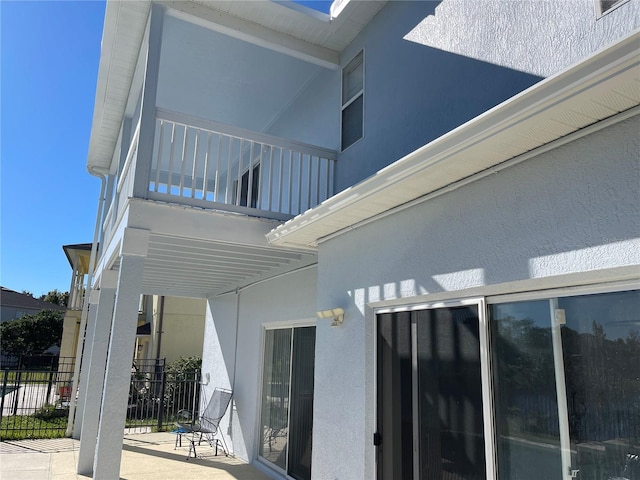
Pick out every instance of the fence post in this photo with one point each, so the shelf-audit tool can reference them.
(163, 381)
(196, 406)
(4, 393)
(50, 383)
(17, 390)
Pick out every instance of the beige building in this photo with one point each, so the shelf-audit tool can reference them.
(168, 327)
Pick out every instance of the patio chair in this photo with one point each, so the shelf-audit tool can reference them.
(206, 425)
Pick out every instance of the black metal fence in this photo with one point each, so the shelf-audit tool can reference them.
(36, 391)
(157, 394)
(36, 395)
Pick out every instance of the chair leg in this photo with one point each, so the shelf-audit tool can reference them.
(192, 446)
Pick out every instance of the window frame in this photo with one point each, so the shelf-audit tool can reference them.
(344, 104)
(602, 10)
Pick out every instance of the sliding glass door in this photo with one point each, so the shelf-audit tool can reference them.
(430, 398)
(287, 399)
(550, 389)
(567, 387)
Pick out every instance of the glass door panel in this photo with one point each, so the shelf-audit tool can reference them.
(429, 394)
(304, 347)
(566, 375)
(449, 394)
(526, 409)
(275, 396)
(601, 348)
(287, 399)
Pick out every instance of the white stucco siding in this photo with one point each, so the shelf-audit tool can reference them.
(431, 66)
(212, 76)
(283, 301)
(573, 210)
(313, 117)
(540, 37)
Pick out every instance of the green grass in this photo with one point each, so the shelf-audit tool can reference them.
(27, 377)
(20, 427)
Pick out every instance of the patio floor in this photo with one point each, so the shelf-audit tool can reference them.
(144, 457)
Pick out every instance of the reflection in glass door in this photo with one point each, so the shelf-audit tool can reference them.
(568, 405)
(430, 401)
(287, 400)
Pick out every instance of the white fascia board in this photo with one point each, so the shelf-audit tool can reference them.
(253, 33)
(110, 101)
(621, 59)
(106, 49)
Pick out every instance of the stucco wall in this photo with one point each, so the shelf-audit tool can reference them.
(182, 328)
(431, 66)
(209, 75)
(573, 210)
(285, 301)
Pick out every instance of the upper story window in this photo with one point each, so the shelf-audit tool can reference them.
(605, 6)
(353, 101)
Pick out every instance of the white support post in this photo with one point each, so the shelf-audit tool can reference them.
(148, 108)
(96, 367)
(115, 392)
(84, 359)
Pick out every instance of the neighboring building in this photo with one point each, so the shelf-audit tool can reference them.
(14, 305)
(170, 328)
(415, 225)
(78, 256)
(161, 332)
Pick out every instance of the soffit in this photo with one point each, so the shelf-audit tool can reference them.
(199, 268)
(312, 27)
(602, 86)
(198, 253)
(124, 28)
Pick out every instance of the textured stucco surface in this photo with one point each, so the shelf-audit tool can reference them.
(571, 210)
(182, 328)
(431, 66)
(241, 84)
(283, 301)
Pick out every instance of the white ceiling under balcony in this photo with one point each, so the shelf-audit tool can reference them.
(178, 266)
(199, 253)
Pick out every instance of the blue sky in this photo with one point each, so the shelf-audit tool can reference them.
(49, 53)
(49, 56)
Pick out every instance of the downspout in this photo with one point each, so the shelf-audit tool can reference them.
(85, 305)
(160, 319)
(235, 362)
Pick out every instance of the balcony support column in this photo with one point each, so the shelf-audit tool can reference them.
(98, 344)
(115, 390)
(82, 357)
(148, 106)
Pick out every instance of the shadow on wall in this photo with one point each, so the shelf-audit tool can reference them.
(442, 89)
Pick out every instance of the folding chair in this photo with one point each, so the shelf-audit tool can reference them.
(206, 425)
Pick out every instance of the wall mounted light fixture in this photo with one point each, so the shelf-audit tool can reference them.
(337, 314)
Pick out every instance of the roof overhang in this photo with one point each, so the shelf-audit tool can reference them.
(299, 32)
(600, 87)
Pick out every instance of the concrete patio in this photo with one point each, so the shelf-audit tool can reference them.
(144, 457)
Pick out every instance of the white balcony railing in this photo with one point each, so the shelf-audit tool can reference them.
(206, 164)
(76, 293)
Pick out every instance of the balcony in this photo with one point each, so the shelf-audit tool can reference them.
(209, 165)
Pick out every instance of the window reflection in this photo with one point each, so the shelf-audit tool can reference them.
(601, 349)
(601, 362)
(528, 434)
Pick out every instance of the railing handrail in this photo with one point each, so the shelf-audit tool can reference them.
(241, 133)
(133, 146)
